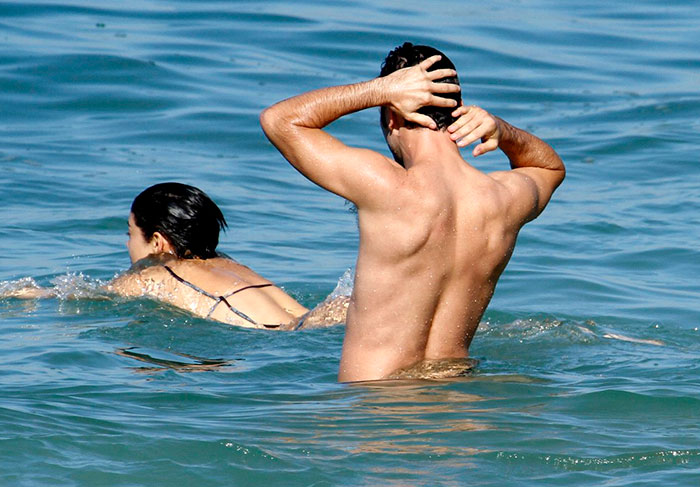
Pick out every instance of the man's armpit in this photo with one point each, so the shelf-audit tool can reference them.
(522, 192)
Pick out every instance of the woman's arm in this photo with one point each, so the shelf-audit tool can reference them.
(25, 288)
(331, 311)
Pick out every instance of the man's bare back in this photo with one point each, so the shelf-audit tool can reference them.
(423, 290)
(435, 233)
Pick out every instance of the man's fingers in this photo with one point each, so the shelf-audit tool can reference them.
(472, 132)
(488, 146)
(464, 115)
(462, 118)
(458, 112)
(423, 120)
(444, 88)
(464, 127)
(468, 140)
(438, 101)
(463, 134)
(472, 124)
(426, 63)
(442, 73)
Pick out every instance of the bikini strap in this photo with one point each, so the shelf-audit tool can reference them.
(222, 299)
(219, 299)
(189, 284)
(252, 286)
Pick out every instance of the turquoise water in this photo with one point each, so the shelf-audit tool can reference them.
(589, 372)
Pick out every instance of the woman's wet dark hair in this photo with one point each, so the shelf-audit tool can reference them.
(184, 215)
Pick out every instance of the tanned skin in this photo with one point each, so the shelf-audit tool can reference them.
(435, 233)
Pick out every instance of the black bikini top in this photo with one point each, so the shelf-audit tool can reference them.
(223, 299)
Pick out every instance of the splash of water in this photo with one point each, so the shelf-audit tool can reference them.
(64, 287)
(344, 285)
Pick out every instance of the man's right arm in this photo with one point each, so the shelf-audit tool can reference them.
(537, 170)
(296, 127)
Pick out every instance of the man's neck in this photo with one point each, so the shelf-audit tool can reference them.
(421, 146)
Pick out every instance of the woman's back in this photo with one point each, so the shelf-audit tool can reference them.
(216, 288)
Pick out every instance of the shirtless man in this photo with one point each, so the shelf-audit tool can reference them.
(435, 232)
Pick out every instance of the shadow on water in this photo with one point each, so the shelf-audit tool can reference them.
(179, 362)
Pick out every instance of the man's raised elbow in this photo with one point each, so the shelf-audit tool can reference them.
(278, 126)
(268, 120)
(562, 172)
(557, 168)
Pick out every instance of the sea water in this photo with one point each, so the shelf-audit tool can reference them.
(588, 368)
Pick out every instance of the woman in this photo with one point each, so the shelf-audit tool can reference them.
(173, 234)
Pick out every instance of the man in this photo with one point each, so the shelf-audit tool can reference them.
(435, 232)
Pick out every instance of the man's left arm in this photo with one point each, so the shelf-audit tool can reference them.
(295, 127)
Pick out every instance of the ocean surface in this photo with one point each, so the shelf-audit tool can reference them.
(589, 370)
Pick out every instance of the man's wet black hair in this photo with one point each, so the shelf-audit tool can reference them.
(184, 215)
(408, 55)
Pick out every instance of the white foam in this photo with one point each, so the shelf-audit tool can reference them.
(344, 285)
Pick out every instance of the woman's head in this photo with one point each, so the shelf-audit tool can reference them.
(181, 216)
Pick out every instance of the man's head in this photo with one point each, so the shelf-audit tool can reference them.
(408, 55)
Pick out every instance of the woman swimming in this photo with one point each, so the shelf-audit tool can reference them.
(173, 234)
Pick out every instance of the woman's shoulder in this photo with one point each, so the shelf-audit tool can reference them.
(221, 269)
(141, 278)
